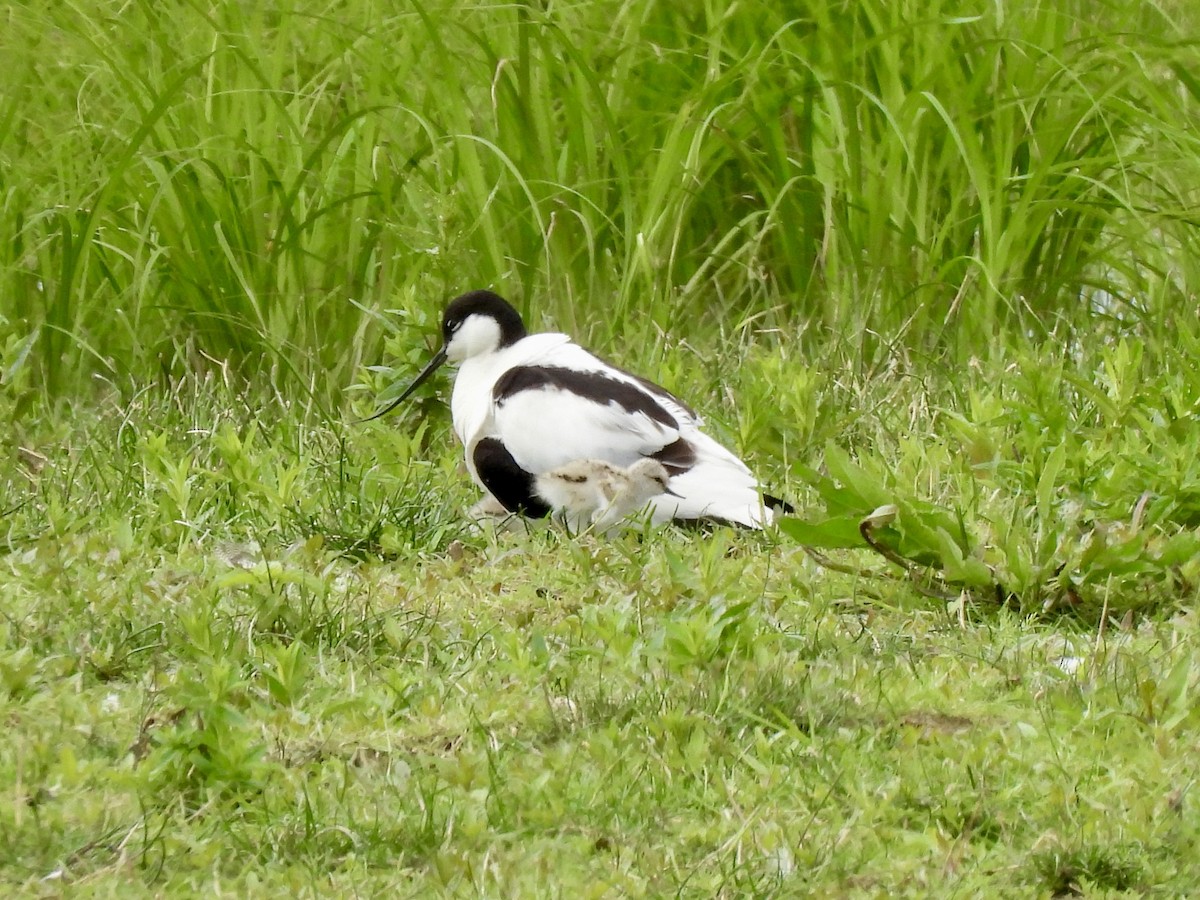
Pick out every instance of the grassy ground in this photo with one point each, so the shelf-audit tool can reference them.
(931, 269)
(271, 657)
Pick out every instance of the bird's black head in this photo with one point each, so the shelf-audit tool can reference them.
(489, 305)
(475, 323)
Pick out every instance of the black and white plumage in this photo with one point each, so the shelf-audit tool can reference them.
(525, 405)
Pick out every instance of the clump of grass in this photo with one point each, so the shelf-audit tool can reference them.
(232, 692)
(1063, 482)
(238, 185)
(1072, 873)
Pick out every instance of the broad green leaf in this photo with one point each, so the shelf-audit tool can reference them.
(838, 499)
(838, 532)
(1179, 548)
(959, 568)
(854, 478)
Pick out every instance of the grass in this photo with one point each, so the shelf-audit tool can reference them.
(256, 187)
(930, 269)
(271, 657)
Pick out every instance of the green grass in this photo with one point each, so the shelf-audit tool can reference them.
(237, 651)
(930, 269)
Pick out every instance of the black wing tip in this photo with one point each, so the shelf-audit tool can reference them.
(677, 457)
(779, 504)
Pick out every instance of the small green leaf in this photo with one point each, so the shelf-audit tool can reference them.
(1048, 481)
(881, 516)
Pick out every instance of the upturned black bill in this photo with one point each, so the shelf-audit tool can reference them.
(438, 359)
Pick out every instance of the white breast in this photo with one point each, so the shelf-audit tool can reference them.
(471, 405)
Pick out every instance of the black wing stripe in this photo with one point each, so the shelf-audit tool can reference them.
(594, 386)
(656, 389)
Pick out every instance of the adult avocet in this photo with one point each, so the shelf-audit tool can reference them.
(526, 404)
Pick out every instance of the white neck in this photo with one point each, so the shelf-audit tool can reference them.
(475, 336)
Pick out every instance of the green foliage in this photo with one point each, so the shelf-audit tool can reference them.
(235, 184)
(1090, 868)
(272, 655)
(929, 268)
(1055, 486)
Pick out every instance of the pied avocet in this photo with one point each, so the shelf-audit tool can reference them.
(526, 404)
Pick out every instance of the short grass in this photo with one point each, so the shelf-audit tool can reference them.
(246, 655)
(930, 267)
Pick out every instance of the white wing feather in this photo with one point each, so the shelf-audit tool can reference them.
(549, 427)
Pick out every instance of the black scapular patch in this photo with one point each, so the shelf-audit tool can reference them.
(507, 481)
(657, 389)
(594, 386)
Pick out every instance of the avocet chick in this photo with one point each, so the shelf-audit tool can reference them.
(592, 493)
